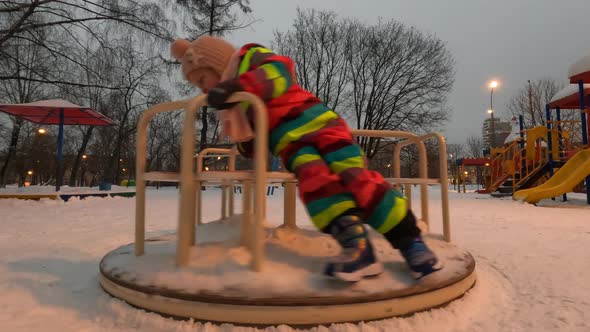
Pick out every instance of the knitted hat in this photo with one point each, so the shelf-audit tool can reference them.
(204, 52)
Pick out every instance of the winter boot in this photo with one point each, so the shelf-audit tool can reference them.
(357, 259)
(406, 238)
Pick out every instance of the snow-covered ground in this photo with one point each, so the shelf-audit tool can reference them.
(14, 189)
(532, 265)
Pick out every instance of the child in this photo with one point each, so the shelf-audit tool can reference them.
(315, 143)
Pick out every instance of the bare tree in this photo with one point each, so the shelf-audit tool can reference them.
(32, 59)
(163, 144)
(19, 17)
(387, 76)
(71, 21)
(139, 81)
(475, 147)
(530, 101)
(98, 67)
(455, 151)
(105, 66)
(400, 78)
(213, 17)
(321, 63)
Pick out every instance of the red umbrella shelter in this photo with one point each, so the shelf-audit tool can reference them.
(57, 112)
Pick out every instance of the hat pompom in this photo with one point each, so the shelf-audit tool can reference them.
(204, 52)
(179, 47)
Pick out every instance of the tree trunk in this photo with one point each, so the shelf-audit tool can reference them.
(115, 161)
(11, 150)
(85, 140)
(205, 122)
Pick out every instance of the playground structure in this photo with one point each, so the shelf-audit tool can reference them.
(461, 172)
(552, 160)
(141, 273)
(523, 162)
(534, 158)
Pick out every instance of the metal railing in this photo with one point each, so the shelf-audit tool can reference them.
(254, 182)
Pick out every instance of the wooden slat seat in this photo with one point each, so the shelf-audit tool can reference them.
(412, 181)
(161, 176)
(273, 177)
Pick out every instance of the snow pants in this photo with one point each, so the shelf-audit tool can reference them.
(332, 172)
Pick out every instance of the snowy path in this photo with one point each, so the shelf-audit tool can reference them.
(533, 264)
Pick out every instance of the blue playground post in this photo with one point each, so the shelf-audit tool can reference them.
(522, 151)
(559, 132)
(549, 142)
(584, 132)
(559, 140)
(60, 138)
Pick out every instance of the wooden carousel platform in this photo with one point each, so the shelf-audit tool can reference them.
(219, 286)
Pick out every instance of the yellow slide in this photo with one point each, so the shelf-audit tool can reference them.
(563, 181)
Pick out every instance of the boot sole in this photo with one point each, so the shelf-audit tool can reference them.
(423, 274)
(368, 271)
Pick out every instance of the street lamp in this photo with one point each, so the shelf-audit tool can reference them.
(492, 128)
(41, 131)
(492, 85)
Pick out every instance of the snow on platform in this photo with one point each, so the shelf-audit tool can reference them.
(292, 274)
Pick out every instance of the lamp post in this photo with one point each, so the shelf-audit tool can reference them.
(493, 85)
(453, 168)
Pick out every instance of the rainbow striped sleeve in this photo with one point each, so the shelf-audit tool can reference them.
(264, 73)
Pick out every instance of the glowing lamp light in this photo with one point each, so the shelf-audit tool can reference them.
(42, 131)
(84, 156)
(30, 172)
(490, 111)
(493, 84)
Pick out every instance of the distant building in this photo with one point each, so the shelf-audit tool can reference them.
(501, 128)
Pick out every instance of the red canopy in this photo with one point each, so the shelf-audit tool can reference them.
(568, 98)
(47, 112)
(580, 70)
(585, 77)
(475, 161)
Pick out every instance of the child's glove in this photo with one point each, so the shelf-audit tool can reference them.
(218, 96)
